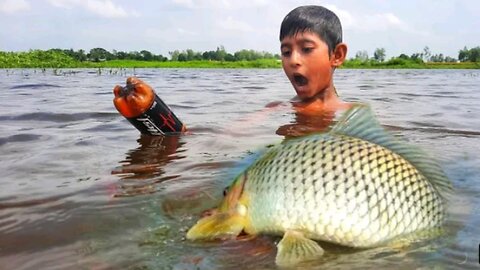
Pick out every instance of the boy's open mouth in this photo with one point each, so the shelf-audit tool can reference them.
(300, 80)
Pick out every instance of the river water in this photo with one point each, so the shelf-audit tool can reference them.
(81, 189)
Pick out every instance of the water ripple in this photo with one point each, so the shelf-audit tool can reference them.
(58, 117)
(20, 138)
(35, 86)
(95, 194)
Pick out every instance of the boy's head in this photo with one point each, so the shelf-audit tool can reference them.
(315, 19)
(311, 47)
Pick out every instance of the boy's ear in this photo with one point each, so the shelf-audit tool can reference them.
(339, 54)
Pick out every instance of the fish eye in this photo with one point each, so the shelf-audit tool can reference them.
(225, 191)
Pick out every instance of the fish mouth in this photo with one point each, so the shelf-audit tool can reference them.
(299, 79)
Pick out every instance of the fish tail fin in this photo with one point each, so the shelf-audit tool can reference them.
(295, 248)
(218, 226)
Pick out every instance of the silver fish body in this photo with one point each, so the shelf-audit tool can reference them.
(356, 185)
(339, 189)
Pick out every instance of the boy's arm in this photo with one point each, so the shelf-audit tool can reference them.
(246, 122)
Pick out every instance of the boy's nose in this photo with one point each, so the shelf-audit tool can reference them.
(295, 59)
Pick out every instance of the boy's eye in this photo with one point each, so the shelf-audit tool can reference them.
(307, 49)
(285, 53)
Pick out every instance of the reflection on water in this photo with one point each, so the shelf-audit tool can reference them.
(142, 167)
(81, 188)
(307, 124)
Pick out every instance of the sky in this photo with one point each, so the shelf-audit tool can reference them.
(161, 26)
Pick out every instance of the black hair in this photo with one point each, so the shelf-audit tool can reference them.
(316, 19)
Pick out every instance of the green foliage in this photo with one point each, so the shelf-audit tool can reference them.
(426, 54)
(470, 55)
(362, 55)
(379, 54)
(220, 58)
(260, 63)
(36, 58)
(99, 54)
(406, 62)
(220, 54)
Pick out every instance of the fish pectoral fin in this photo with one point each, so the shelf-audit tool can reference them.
(295, 248)
(217, 226)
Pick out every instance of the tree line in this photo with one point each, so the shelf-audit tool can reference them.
(220, 54)
(99, 56)
(464, 55)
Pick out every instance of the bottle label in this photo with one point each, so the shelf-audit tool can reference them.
(158, 120)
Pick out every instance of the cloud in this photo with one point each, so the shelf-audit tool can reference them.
(220, 4)
(235, 25)
(369, 22)
(184, 3)
(169, 34)
(102, 8)
(62, 3)
(345, 17)
(13, 6)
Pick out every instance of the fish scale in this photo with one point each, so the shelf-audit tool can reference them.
(320, 176)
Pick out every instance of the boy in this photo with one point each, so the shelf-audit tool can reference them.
(311, 49)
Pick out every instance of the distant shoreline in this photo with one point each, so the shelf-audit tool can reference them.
(57, 58)
(261, 63)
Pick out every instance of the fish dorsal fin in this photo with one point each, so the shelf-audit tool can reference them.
(360, 122)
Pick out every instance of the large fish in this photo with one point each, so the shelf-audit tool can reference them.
(356, 185)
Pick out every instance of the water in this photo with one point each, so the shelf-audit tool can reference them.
(80, 188)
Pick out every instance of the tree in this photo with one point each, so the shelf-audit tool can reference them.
(174, 55)
(182, 57)
(426, 54)
(475, 54)
(160, 58)
(229, 57)
(80, 55)
(121, 55)
(437, 58)
(146, 55)
(220, 53)
(241, 55)
(361, 55)
(208, 55)
(99, 54)
(472, 55)
(417, 56)
(379, 54)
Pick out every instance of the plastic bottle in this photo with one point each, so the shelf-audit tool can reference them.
(145, 110)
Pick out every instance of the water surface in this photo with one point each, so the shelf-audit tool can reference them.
(81, 189)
